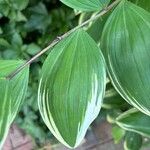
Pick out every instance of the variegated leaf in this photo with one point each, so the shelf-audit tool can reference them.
(135, 121)
(71, 87)
(12, 93)
(86, 5)
(126, 47)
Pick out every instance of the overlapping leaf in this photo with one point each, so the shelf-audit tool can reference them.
(134, 120)
(117, 134)
(95, 29)
(71, 87)
(142, 3)
(5, 110)
(12, 9)
(126, 47)
(112, 99)
(12, 94)
(86, 5)
(133, 141)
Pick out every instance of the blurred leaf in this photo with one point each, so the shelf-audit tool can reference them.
(12, 9)
(10, 54)
(4, 8)
(3, 44)
(16, 40)
(133, 120)
(33, 129)
(39, 18)
(1, 31)
(20, 16)
(70, 105)
(112, 115)
(33, 49)
(20, 4)
(117, 133)
(133, 141)
(113, 100)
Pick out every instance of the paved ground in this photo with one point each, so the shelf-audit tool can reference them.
(18, 140)
(97, 138)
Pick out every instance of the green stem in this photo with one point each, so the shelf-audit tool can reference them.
(58, 39)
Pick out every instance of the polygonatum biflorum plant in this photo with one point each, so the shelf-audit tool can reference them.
(73, 77)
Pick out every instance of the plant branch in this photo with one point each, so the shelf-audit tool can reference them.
(59, 38)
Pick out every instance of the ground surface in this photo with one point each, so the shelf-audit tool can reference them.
(97, 138)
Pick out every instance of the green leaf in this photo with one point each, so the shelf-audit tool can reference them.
(16, 40)
(142, 3)
(4, 8)
(133, 141)
(12, 9)
(20, 16)
(112, 99)
(1, 30)
(86, 5)
(18, 85)
(39, 18)
(20, 4)
(12, 94)
(117, 133)
(134, 120)
(112, 114)
(3, 44)
(95, 29)
(5, 109)
(71, 87)
(126, 48)
(33, 49)
(85, 16)
(33, 128)
(9, 54)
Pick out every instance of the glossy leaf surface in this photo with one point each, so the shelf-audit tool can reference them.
(86, 5)
(126, 47)
(71, 87)
(134, 120)
(12, 94)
